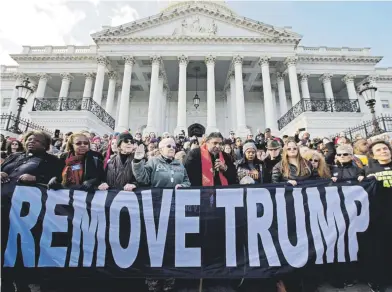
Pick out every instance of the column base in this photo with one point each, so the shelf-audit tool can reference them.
(120, 129)
(242, 132)
(210, 130)
(179, 129)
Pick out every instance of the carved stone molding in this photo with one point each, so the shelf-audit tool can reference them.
(348, 78)
(19, 75)
(210, 60)
(61, 58)
(155, 60)
(44, 76)
(66, 76)
(129, 60)
(112, 75)
(89, 75)
(291, 61)
(326, 77)
(264, 61)
(183, 60)
(102, 60)
(340, 59)
(303, 76)
(237, 60)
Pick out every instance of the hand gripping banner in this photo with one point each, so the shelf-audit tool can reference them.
(233, 232)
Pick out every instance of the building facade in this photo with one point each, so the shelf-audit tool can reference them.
(144, 75)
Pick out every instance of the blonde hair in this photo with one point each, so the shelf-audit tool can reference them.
(345, 148)
(322, 169)
(302, 169)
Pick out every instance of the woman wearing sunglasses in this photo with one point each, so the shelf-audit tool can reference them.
(345, 168)
(320, 168)
(83, 168)
(293, 167)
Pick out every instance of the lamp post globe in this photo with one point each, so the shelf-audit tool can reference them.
(24, 92)
(368, 92)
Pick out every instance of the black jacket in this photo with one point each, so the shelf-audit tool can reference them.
(43, 166)
(330, 157)
(93, 167)
(193, 167)
(347, 170)
(277, 173)
(268, 166)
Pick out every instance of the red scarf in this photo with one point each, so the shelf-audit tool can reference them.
(207, 170)
(73, 171)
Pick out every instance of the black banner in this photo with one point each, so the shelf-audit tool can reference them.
(253, 232)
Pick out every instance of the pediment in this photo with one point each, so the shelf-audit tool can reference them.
(195, 23)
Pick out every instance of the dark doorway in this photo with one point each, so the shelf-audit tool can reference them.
(196, 130)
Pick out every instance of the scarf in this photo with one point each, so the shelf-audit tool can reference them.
(73, 171)
(207, 170)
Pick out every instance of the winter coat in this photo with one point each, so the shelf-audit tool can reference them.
(347, 170)
(119, 174)
(330, 157)
(277, 173)
(159, 173)
(268, 166)
(243, 169)
(193, 166)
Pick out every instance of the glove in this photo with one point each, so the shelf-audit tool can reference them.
(54, 185)
(140, 152)
(88, 186)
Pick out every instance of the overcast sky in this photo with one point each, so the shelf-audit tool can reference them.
(60, 22)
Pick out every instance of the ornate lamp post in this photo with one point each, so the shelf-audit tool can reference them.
(368, 92)
(196, 99)
(24, 92)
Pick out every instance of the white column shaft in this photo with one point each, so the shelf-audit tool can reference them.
(352, 94)
(240, 103)
(88, 86)
(268, 101)
(211, 111)
(64, 88)
(181, 109)
(110, 98)
(282, 96)
(163, 111)
(152, 103)
(98, 88)
(305, 88)
(294, 88)
(328, 89)
(40, 93)
(159, 106)
(233, 103)
(123, 115)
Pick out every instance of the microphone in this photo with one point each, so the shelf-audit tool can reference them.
(216, 156)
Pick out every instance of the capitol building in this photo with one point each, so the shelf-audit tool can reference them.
(196, 66)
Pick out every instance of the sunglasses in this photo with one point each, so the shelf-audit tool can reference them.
(81, 143)
(170, 146)
(342, 154)
(292, 149)
(128, 141)
(313, 160)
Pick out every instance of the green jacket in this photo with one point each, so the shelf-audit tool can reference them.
(158, 173)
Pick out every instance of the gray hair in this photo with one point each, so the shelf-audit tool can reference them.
(345, 148)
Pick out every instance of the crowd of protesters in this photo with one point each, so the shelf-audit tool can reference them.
(88, 162)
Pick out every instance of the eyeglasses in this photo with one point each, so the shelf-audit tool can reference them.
(81, 143)
(342, 154)
(128, 141)
(170, 146)
(313, 160)
(292, 149)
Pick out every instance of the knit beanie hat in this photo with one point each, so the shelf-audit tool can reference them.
(122, 137)
(248, 146)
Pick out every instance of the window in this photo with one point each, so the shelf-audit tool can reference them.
(385, 104)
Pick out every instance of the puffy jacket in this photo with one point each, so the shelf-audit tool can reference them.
(243, 169)
(347, 170)
(160, 173)
(277, 173)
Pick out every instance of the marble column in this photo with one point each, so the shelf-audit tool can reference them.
(268, 100)
(111, 92)
(304, 85)
(152, 103)
(349, 80)
(181, 110)
(326, 79)
(282, 94)
(241, 130)
(229, 111)
(123, 115)
(98, 88)
(233, 102)
(291, 63)
(118, 90)
(12, 108)
(163, 110)
(88, 85)
(43, 80)
(65, 83)
(276, 111)
(159, 113)
(211, 111)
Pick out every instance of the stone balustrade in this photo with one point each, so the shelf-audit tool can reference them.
(333, 51)
(49, 50)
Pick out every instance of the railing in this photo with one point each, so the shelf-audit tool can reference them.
(322, 105)
(73, 104)
(10, 123)
(366, 130)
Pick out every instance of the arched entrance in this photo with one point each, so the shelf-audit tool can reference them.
(196, 130)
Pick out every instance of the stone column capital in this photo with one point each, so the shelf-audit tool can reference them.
(44, 76)
(264, 61)
(89, 75)
(129, 60)
(66, 76)
(155, 60)
(303, 76)
(348, 78)
(326, 77)
(112, 75)
(102, 60)
(183, 60)
(291, 61)
(20, 75)
(210, 60)
(280, 76)
(237, 60)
